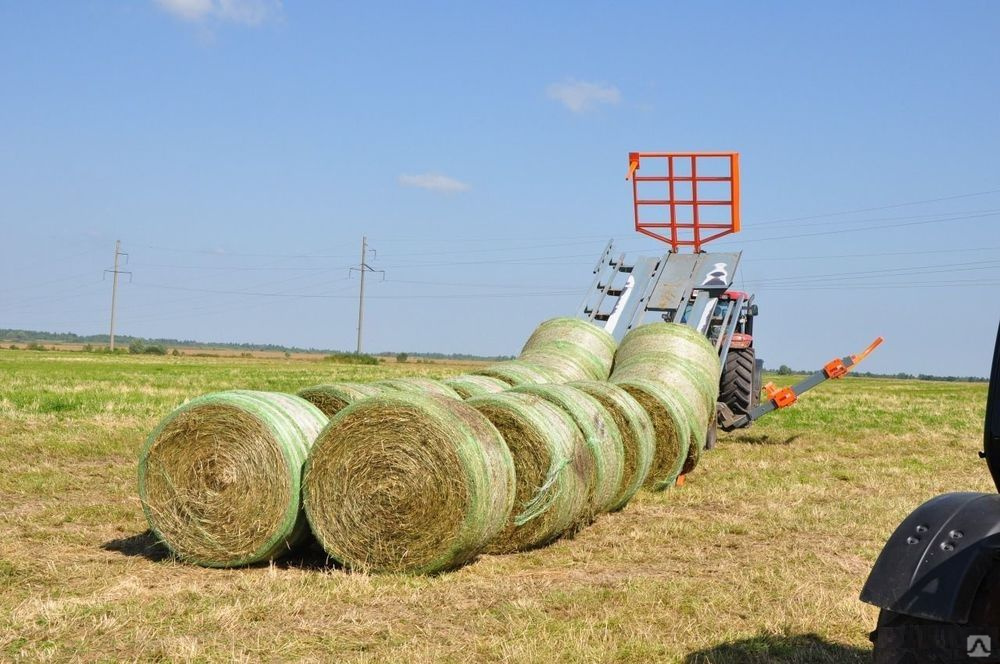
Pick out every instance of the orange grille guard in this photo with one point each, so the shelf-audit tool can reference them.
(782, 397)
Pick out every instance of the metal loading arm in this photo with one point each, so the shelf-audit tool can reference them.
(783, 397)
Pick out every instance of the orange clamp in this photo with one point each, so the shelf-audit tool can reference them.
(835, 368)
(781, 396)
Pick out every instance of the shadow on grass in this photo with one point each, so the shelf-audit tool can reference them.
(758, 439)
(768, 648)
(308, 556)
(144, 544)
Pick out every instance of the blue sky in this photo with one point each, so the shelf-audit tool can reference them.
(242, 147)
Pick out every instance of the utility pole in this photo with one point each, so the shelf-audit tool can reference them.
(363, 268)
(114, 290)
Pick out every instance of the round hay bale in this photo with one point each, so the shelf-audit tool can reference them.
(638, 435)
(593, 347)
(600, 433)
(333, 398)
(520, 372)
(678, 372)
(418, 385)
(695, 397)
(553, 469)
(219, 477)
(405, 482)
(670, 424)
(468, 385)
(566, 361)
(681, 340)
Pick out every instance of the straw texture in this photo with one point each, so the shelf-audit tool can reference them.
(334, 397)
(670, 424)
(553, 470)
(468, 385)
(590, 348)
(417, 385)
(600, 434)
(408, 483)
(219, 478)
(638, 435)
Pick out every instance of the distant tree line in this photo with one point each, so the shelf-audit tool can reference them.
(143, 345)
(785, 370)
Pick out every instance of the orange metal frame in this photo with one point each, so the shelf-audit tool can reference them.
(669, 228)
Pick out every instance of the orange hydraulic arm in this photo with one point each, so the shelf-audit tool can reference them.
(782, 397)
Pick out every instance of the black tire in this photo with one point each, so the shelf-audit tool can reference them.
(902, 638)
(739, 378)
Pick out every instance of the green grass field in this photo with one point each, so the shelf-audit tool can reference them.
(759, 557)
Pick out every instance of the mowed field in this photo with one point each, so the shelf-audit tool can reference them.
(758, 558)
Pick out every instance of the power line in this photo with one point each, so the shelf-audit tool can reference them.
(880, 207)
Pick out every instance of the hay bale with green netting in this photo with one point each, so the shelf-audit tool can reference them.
(219, 478)
(592, 348)
(468, 385)
(670, 424)
(565, 360)
(418, 385)
(638, 435)
(697, 386)
(333, 398)
(681, 340)
(553, 470)
(600, 433)
(405, 482)
(520, 372)
(694, 395)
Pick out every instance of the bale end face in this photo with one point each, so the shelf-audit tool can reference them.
(408, 483)
(219, 478)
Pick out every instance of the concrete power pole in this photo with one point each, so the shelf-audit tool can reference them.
(363, 268)
(114, 290)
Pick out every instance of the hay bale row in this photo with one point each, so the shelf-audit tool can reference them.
(407, 477)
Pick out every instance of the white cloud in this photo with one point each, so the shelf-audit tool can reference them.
(580, 96)
(433, 182)
(246, 12)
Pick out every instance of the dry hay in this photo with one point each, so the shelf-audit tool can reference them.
(695, 396)
(520, 372)
(333, 398)
(600, 434)
(468, 385)
(553, 470)
(638, 435)
(671, 369)
(575, 342)
(671, 425)
(404, 482)
(680, 340)
(417, 385)
(219, 478)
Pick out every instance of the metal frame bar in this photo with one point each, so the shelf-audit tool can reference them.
(696, 226)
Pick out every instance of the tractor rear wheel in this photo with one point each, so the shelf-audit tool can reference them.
(902, 638)
(739, 387)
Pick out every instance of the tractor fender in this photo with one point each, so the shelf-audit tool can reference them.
(935, 561)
